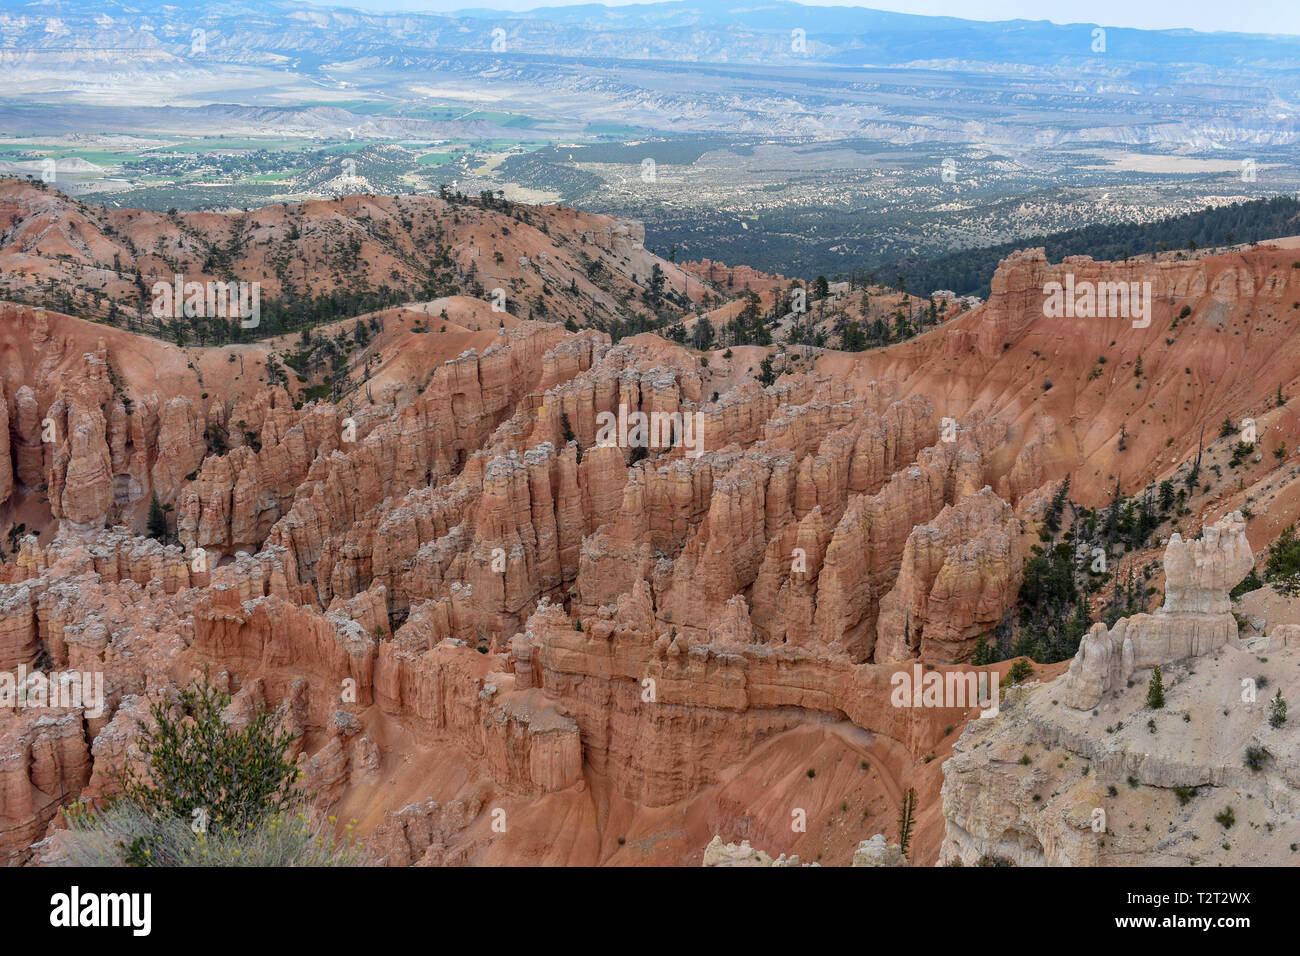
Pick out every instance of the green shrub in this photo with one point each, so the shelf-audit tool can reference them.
(209, 795)
(1251, 582)
(1282, 569)
(1255, 757)
(1021, 670)
(198, 764)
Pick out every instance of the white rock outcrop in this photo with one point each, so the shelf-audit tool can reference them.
(1195, 619)
(718, 853)
(879, 852)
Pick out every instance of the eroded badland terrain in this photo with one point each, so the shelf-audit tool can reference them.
(500, 639)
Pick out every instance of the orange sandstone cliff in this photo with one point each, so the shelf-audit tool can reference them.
(466, 602)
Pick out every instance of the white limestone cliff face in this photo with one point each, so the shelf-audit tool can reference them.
(1043, 784)
(1081, 772)
(718, 853)
(1199, 574)
(874, 852)
(1195, 619)
(879, 852)
(1283, 635)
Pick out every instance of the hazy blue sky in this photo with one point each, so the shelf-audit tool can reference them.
(1250, 16)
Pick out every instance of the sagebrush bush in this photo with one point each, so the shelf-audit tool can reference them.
(1255, 757)
(125, 835)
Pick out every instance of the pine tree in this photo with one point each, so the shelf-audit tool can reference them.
(1156, 690)
(905, 814)
(1053, 517)
(157, 523)
(1195, 471)
(1277, 711)
(1166, 494)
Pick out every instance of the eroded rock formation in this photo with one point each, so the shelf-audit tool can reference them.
(1196, 617)
(466, 606)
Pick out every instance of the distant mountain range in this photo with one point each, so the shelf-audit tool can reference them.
(709, 31)
(858, 35)
(810, 138)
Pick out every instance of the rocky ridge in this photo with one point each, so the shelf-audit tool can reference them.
(1088, 773)
(464, 602)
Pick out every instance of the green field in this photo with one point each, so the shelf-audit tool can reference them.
(445, 114)
(212, 144)
(98, 157)
(353, 106)
(508, 120)
(611, 129)
(352, 146)
(439, 113)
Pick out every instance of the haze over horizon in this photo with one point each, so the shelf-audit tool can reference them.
(1200, 15)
